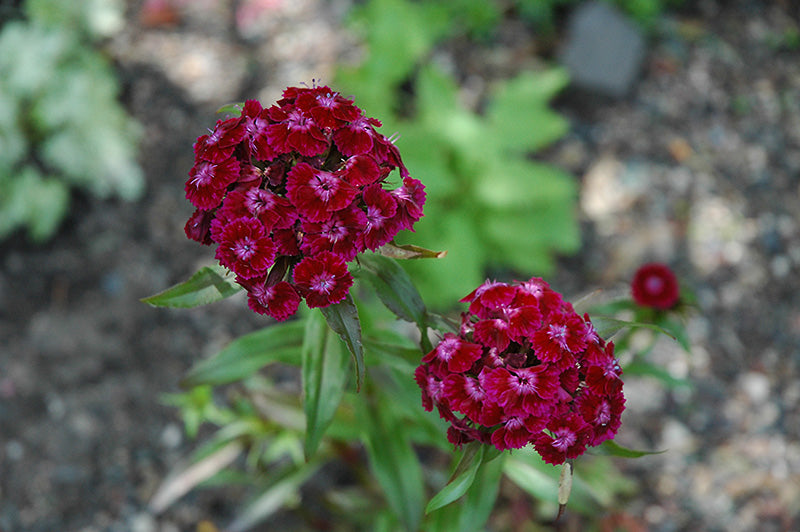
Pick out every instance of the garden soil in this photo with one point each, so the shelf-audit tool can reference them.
(697, 167)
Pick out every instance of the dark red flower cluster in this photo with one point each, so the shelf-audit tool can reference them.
(654, 285)
(524, 368)
(292, 192)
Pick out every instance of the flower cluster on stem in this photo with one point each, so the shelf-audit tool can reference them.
(524, 368)
(290, 193)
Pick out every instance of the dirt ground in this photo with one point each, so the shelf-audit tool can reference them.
(698, 167)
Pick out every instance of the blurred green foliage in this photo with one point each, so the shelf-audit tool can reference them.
(489, 204)
(542, 14)
(61, 125)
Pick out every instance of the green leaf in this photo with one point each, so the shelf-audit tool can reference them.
(612, 448)
(442, 283)
(461, 479)
(606, 326)
(247, 354)
(646, 369)
(232, 109)
(519, 112)
(204, 287)
(394, 463)
(325, 362)
(343, 319)
(480, 499)
(409, 251)
(394, 287)
(676, 330)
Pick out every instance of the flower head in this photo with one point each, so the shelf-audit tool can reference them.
(291, 192)
(524, 369)
(655, 285)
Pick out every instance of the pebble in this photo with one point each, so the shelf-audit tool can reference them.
(143, 522)
(604, 50)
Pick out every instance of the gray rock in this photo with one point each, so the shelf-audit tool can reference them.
(604, 50)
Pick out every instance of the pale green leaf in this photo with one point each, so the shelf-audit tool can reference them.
(208, 285)
(324, 376)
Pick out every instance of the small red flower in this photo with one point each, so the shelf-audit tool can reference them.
(317, 193)
(323, 279)
(456, 354)
(340, 234)
(245, 249)
(208, 182)
(410, 199)
(655, 285)
(567, 439)
(198, 227)
(292, 130)
(279, 300)
(220, 143)
(357, 136)
(379, 227)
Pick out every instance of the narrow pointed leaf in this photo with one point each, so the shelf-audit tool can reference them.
(325, 368)
(409, 251)
(677, 331)
(480, 499)
(394, 287)
(612, 448)
(343, 319)
(462, 477)
(646, 369)
(394, 464)
(232, 109)
(206, 286)
(249, 353)
(607, 326)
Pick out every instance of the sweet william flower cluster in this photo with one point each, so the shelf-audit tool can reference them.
(525, 368)
(290, 193)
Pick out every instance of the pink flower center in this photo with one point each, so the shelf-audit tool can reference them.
(525, 384)
(258, 200)
(447, 348)
(603, 415)
(323, 283)
(325, 186)
(563, 438)
(244, 248)
(558, 333)
(654, 285)
(204, 175)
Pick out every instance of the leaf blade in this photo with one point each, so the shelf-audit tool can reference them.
(462, 478)
(280, 342)
(324, 376)
(394, 287)
(204, 287)
(343, 319)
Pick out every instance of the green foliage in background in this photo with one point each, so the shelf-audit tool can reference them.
(489, 204)
(61, 125)
(542, 13)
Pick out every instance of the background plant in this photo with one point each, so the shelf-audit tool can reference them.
(489, 204)
(61, 125)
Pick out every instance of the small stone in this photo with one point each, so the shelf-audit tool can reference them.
(171, 436)
(14, 450)
(604, 50)
(143, 522)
